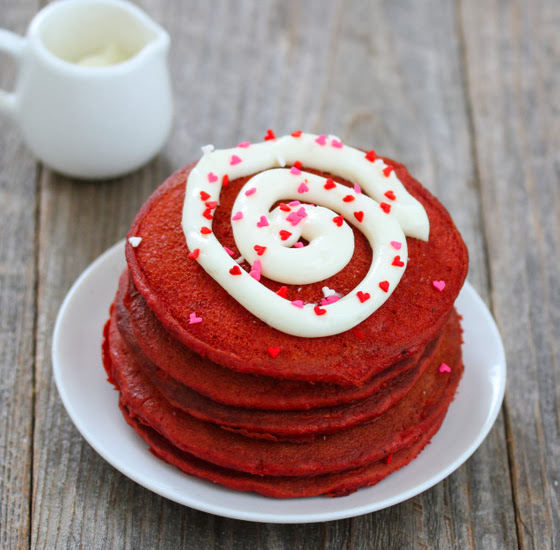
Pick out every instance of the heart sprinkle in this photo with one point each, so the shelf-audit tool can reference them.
(338, 220)
(330, 184)
(336, 143)
(397, 262)
(269, 135)
(385, 207)
(329, 300)
(193, 319)
(250, 192)
(284, 207)
(285, 235)
(440, 285)
(194, 254)
(237, 216)
(212, 178)
(359, 215)
(134, 241)
(235, 270)
(282, 292)
(321, 140)
(357, 189)
(259, 249)
(204, 196)
(319, 310)
(234, 160)
(263, 222)
(205, 230)
(295, 171)
(390, 195)
(208, 214)
(298, 245)
(244, 144)
(256, 270)
(296, 134)
(396, 245)
(298, 164)
(273, 351)
(387, 170)
(388, 459)
(297, 303)
(229, 251)
(371, 155)
(211, 204)
(349, 198)
(358, 333)
(225, 180)
(444, 368)
(384, 286)
(363, 296)
(303, 188)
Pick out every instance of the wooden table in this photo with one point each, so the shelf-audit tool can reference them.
(467, 94)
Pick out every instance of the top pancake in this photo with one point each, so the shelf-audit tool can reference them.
(175, 286)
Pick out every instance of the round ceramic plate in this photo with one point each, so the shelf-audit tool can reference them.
(91, 403)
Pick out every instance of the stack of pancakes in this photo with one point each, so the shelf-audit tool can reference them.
(232, 400)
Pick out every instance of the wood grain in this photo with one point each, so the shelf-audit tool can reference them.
(512, 59)
(464, 93)
(18, 199)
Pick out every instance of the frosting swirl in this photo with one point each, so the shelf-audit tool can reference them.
(319, 211)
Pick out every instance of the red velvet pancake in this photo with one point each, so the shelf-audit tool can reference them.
(174, 286)
(399, 427)
(282, 424)
(226, 386)
(334, 485)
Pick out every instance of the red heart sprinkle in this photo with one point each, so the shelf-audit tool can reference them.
(211, 204)
(235, 270)
(319, 310)
(225, 180)
(330, 184)
(397, 261)
(371, 156)
(274, 351)
(390, 195)
(338, 220)
(208, 214)
(285, 235)
(384, 286)
(260, 249)
(358, 333)
(363, 296)
(282, 292)
(348, 198)
(205, 230)
(284, 207)
(297, 134)
(359, 215)
(194, 254)
(388, 459)
(385, 207)
(387, 170)
(269, 135)
(298, 164)
(204, 195)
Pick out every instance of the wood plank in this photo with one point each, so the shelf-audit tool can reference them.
(512, 55)
(18, 198)
(284, 65)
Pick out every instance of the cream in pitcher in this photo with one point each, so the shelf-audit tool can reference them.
(93, 94)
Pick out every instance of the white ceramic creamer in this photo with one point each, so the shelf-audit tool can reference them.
(93, 95)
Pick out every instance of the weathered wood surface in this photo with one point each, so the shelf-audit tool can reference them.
(467, 95)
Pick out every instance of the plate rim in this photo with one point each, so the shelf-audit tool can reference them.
(110, 256)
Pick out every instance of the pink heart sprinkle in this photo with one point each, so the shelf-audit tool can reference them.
(302, 188)
(237, 216)
(357, 189)
(244, 144)
(440, 285)
(193, 319)
(329, 300)
(229, 251)
(396, 245)
(297, 303)
(302, 213)
(251, 191)
(336, 143)
(293, 218)
(295, 171)
(212, 178)
(298, 245)
(294, 203)
(235, 160)
(444, 368)
(255, 274)
(321, 140)
(263, 222)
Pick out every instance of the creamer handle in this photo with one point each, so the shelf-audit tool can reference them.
(12, 44)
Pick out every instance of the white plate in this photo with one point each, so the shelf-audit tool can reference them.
(91, 403)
